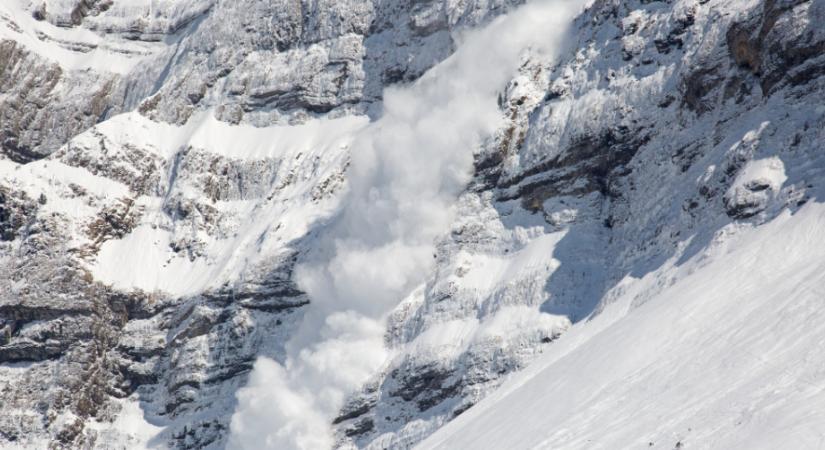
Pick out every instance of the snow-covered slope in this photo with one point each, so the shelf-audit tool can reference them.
(646, 176)
(720, 351)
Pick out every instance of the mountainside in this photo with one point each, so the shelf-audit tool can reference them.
(723, 354)
(304, 223)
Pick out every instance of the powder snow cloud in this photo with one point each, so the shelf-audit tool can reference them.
(407, 169)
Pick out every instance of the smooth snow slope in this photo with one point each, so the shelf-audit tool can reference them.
(724, 351)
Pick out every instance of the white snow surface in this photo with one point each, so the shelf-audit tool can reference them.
(130, 429)
(204, 132)
(143, 258)
(725, 354)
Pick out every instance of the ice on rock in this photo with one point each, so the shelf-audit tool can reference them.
(616, 244)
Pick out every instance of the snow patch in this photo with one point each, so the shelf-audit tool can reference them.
(130, 429)
(204, 132)
(768, 173)
(485, 273)
(144, 259)
(756, 184)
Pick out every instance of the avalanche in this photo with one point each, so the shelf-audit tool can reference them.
(407, 170)
(258, 223)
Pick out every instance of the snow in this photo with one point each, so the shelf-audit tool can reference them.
(764, 173)
(144, 260)
(130, 429)
(45, 40)
(248, 142)
(726, 356)
(445, 340)
(486, 273)
(52, 179)
(7, 167)
(204, 132)
(43, 176)
(159, 16)
(448, 340)
(717, 350)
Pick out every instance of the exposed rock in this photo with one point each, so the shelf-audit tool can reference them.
(632, 146)
(781, 43)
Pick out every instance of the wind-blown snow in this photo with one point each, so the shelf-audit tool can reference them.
(407, 170)
(725, 355)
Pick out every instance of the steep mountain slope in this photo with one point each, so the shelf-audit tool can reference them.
(721, 351)
(73, 63)
(640, 148)
(167, 165)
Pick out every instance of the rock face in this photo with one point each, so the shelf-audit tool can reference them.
(38, 94)
(250, 61)
(147, 246)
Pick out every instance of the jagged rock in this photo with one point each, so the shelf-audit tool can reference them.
(780, 43)
(636, 139)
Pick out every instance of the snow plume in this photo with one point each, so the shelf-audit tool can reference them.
(407, 169)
